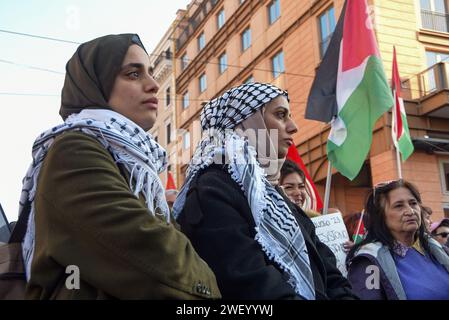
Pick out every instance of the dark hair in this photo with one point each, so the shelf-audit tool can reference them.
(444, 223)
(427, 210)
(290, 167)
(375, 224)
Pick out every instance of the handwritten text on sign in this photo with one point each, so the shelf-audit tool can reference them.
(331, 230)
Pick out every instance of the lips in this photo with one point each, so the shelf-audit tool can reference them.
(289, 141)
(151, 102)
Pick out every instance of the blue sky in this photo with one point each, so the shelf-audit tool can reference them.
(30, 98)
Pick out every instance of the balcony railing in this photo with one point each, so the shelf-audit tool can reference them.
(429, 81)
(163, 55)
(433, 20)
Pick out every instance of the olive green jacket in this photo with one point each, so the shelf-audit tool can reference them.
(86, 216)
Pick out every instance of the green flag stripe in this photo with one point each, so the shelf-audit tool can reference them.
(405, 142)
(367, 103)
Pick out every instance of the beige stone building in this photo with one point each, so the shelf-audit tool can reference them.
(222, 43)
(164, 130)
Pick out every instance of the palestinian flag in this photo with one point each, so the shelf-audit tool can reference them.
(350, 88)
(360, 231)
(314, 201)
(399, 126)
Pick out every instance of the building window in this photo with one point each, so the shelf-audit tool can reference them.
(168, 132)
(327, 27)
(446, 210)
(434, 15)
(434, 57)
(434, 75)
(250, 79)
(274, 11)
(201, 41)
(184, 61)
(278, 64)
(444, 169)
(203, 84)
(185, 100)
(223, 63)
(168, 54)
(167, 97)
(221, 18)
(186, 140)
(246, 39)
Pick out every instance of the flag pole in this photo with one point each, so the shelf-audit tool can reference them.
(359, 224)
(398, 161)
(328, 187)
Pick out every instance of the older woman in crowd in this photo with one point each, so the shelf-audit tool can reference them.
(397, 259)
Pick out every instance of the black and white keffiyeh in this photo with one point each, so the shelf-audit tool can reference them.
(129, 145)
(277, 231)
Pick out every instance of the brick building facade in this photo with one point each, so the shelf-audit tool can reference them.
(223, 43)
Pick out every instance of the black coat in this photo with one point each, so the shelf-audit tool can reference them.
(218, 220)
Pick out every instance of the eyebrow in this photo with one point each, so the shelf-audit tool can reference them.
(282, 108)
(405, 200)
(136, 65)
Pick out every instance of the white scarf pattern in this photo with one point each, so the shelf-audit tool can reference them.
(277, 231)
(129, 145)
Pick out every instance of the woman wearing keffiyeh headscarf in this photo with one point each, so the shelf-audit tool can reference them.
(258, 243)
(95, 202)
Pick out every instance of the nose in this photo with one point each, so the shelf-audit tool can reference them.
(410, 211)
(150, 85)
(291, 126)
(295, 192)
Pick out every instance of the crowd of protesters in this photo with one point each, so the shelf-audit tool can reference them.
(240, 227)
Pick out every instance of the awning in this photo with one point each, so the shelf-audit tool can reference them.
(431, 145)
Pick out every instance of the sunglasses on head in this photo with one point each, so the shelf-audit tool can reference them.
(381, 185)
(384, 183)
(443, 234)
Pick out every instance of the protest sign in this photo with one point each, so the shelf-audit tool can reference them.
(331, 230)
